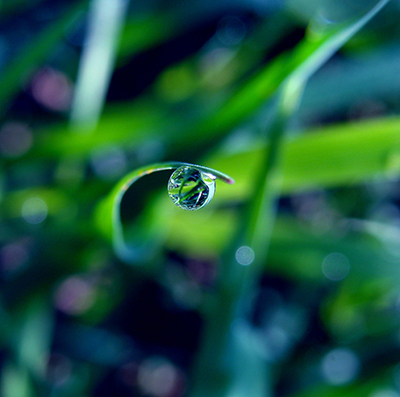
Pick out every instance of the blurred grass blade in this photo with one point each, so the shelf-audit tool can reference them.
(328, 43)
(97, 60)
(262, 208)
(336, 155)
(236, 281)
(288, 69)
(36, 335)
(126, 126)
(142, 32)
(15, 382)
(295, 252)
(259, 219)
(337, 89)
(20, 69)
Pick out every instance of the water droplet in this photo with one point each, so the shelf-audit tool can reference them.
(191, 189)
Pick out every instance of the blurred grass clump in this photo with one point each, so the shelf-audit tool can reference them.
(286, 284)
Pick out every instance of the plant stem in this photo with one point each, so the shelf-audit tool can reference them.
(213, 371)
(97, 62)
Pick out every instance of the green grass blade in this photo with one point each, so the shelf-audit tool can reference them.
(15, 382)
(336, 155)
(289, 69)
(108, 215)
(143, 32)
(97, 61)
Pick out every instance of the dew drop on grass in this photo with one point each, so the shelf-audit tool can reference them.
(191, 189)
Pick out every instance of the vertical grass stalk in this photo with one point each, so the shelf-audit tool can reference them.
(219, 369)
(107, 18)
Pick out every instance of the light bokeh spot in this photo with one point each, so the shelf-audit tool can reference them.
(159, 378)
(245, 255)
(335, 266)
(74, 296)
(340, 366)
(34, 210)
(15, 139)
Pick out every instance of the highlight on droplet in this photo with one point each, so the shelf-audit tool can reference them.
(245, 255)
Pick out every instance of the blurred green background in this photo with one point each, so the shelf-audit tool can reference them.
(286, 284)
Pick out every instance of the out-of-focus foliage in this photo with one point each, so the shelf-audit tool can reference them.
(312, 85)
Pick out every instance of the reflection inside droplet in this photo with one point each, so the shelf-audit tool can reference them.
(191, 189)
(335, 266)
(340, 366)
(245, 255)
(34, 210)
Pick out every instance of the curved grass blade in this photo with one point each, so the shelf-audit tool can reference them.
(108, 216)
